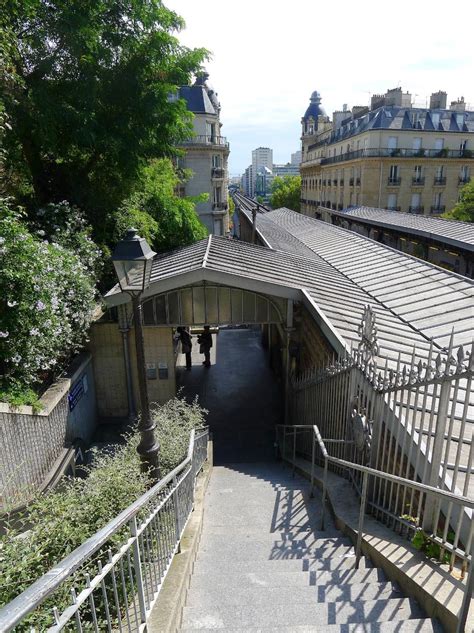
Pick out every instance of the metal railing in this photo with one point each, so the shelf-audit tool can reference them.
(372, 479)
(397, 153)
(113, 579)
(205, 139)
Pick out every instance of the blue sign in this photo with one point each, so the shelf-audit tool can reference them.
(77, 391)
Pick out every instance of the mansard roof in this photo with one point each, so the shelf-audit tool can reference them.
(400, 118)
(197, 99)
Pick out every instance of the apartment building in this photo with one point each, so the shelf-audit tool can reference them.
(206, 156)
(389, 155)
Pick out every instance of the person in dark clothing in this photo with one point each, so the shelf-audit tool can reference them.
(205, 344)
(186, 345)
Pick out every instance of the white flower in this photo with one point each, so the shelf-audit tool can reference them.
(16, 359)
(4, 334)
(2, 240)
(34, 331)
(40, 306)
(12, 304)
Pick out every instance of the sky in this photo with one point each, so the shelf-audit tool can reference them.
(269, 55)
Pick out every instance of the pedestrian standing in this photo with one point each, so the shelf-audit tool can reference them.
(205, 344)
(186, 345)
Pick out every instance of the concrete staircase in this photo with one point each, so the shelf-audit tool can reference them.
(264, 566)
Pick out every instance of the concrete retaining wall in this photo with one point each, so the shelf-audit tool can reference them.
(31, 442)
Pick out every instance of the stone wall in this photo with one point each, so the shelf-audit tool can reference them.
(107, 349)
(30, 443)
(314, 349)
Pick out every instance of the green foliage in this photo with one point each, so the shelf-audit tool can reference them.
(422, 543)
(163, 218)
(58, 522)
(47, 296)
(86, 87)
(286, 192)
(464, 209)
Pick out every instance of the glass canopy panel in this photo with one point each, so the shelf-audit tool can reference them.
(173, 308)
(211, 306)
(187, 306)
(237, 312)
(199, 306)
(130, 274)
(225, 315)
(160, 310)
(249, 307)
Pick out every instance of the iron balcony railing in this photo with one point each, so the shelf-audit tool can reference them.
(114, 578)
(417, 181)
(219, 205)
(288, 440)
(393, 208)
(463, 180)
(440, 180)
(416, 209)
(438, 209)
(394, 182)
(396, 153)
(218, 172)
(204, 139)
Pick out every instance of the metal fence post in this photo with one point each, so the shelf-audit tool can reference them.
(284, 443)
(363, 502)
(176, 513)
(325, 481)
(313, 457)
(137, 564)
(438, 447)
(468, 591)
(294, 450)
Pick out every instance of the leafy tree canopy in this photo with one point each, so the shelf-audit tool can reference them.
(86, 87)
(164, 219)
(286, 192)
(464, 209)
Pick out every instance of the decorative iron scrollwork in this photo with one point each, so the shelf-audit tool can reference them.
(368, 346)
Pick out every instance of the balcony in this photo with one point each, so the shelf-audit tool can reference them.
(463, 180)
(440, 180)
(394, 182)
(357, 182)
(341, 183)
(416, 209)
(334, 182)
(219, 206)
(393, 208)
(438, 209)
(417, 182)
(397, 153)
(351, 182)
(218, 172)
(204, 139)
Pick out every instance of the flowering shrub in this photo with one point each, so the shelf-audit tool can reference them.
(47, 295)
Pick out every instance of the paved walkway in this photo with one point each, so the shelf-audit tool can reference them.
(241, 393)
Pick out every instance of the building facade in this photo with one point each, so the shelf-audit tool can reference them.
(389, 155)
(206, 156)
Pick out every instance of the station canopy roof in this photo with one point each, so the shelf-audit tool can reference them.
(335, 273)
(449, 232)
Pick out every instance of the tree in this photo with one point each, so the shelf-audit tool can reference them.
(163, 218)
(286, 192)
(86, 87)
(464, 209)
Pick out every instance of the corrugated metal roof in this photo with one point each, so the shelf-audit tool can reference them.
(450, 232)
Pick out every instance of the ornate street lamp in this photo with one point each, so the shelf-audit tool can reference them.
(133, 259)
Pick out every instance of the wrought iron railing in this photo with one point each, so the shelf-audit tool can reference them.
(205, 139)
(113, 579)
(291, 445)
(397, 153)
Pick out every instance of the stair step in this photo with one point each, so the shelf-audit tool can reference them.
(409, 626)
(210, 593)
(269, 550)
(346, 576)
(245, 536)
(239, 564)
(297, 613)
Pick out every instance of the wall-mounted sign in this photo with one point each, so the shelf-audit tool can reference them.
(163, 371)
(151, 371)
(77, 391)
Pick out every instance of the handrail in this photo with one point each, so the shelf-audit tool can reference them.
(21, 606)
(367, 471)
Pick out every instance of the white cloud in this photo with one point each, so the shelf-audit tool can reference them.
(268, 56)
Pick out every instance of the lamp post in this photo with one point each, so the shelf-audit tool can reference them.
(133, 259)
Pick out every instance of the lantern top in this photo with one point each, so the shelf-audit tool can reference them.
(132, 248)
